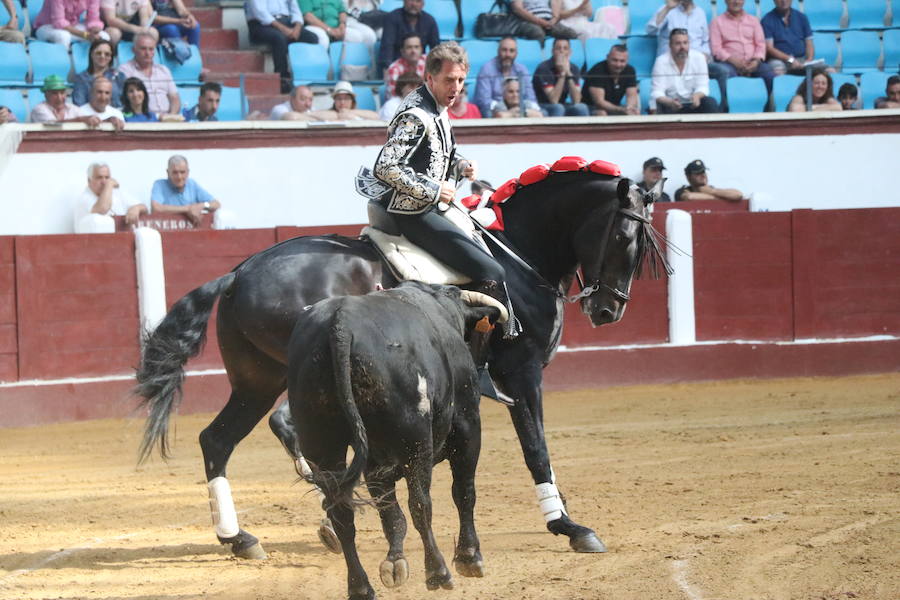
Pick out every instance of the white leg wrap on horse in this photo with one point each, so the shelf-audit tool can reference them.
(550, 502)
(304, 469)
(221, 504)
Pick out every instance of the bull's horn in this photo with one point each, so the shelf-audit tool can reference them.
(479, 299)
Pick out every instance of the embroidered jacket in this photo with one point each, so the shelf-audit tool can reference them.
(419, 155)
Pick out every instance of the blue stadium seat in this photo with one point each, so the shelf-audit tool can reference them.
(480, 52)
(334, 52)
(470, 10)
(707, 7)
(826, 47)
(892, 50)
(48, 59)
(189, 95)
(14, 101)
(310, 63)
(530, 53)
(596, 49)
(644, 86)
(35, 97)
(746, 95)
(867, 14)
(124, 52)
(447, 17)
(894, 13)
(824, 15)
(839, 79)
(34, 7)
(189, 72)
(642, 53)
(389, 5)
(577, 53)
(4, 15)
(365, 99)
(639, 13)
(79, 55)
(873, 84)
(13, 64)
(356, 54)
(860, 51)
(784, 88)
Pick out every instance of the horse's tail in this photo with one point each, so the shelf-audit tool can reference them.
(338, 486)
(179, 337)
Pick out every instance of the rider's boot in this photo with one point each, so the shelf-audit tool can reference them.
(497, 290)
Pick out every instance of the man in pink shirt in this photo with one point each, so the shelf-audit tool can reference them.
(738, 44)
(162, 95)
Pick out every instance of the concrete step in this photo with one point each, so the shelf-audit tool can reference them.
(218, 39)
(240, 61)
(254, 83)
(264, 103)
(209, 17)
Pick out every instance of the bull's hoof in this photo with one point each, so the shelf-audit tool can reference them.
(394, 573)
(587, 543)
(441, 579)
(244, 545)
(328, 537)
(468, 563)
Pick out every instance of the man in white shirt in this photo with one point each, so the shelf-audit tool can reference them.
(99, 109)
(297, 108)
(102, 200)
(681, 79)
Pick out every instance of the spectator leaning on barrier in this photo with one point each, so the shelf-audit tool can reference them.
(609, 82)
(557, 81)
(891, 99)
(9, 31)
(178, 193)
(56, 107)
(412, 59)
(738, 44)
(99, 110)
(493, 74)
(411, 18)
(848, 96)
(60, 20)
(162, 93)
(510, 107)
(6, 115)
(822, 94)
(652, 173)
(297, 108)
(101, 56)
(344, 106)
(278, 23)
(207, 103)
(540, 19)
(680, 82)
(126, 19)
(103, 199)
(135, 106)
(789, 39)
(698, 187)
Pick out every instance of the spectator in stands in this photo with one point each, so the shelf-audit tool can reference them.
(178, 193)
(557, 80)
(59, 20)
(99, 110)
(135, 104)
(738, 44)
(401, 21)
(102, 200)
(175, 21)
(101, 56)
(161, 91)
(404, 85)
(344, 106)
(680, 82)
(412, 59)
(822, 94)
(511, 105)
(462, 108)
(126, 19)
(609, 82)
(653, 171)
(367, 12)
(789, 38)
(684, 14)
(278, 23)
(891, 99)
(493, 74)
(848, 96)
(577, 15)
(328, 19)
(6, 115)
(540, 18)
(56, 107)
(207, 103)
(698, 187)
(10, 32)
(297, 108)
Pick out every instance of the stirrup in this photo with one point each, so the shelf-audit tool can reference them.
(513, 327)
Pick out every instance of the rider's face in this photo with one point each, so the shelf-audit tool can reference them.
(448, 83)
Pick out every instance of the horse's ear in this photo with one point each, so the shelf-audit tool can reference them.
(622, 191)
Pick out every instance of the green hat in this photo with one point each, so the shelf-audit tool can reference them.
(54, 82)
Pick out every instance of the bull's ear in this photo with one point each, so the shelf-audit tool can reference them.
(473, 314)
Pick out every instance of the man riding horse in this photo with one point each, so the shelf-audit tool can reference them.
(414, 167)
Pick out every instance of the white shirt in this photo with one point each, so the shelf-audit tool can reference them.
(680, 85)
(121, 202)
(111, 111)
(279, 110)
(389, 108)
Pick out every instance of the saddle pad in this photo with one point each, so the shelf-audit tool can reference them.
(411, 262)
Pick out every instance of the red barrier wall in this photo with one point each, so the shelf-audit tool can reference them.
(9, 341)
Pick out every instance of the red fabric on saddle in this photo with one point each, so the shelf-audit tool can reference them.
(534, 174)
(498, 224)
(569, 163)
(605, 168)
(505, 191)
(471, 202)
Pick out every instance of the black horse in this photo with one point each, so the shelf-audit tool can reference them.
(570, 219)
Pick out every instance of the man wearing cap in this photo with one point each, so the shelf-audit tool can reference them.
(56, 107)
(698, 187)
(653, 168)
(415, 171)
(99, 110)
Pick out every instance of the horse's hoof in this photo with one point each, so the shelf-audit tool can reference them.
(245, 545)
(587, 543)
(469, 568)
(328, 537)
(441, 579)
(394, 573)
(254, 552)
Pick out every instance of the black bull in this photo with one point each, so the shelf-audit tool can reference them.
(597, 222)
(390, 375)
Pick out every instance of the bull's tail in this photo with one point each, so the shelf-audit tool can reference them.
(339, 486)
(179, 337)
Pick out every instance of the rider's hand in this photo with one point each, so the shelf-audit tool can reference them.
(469, 170)
(448, 192)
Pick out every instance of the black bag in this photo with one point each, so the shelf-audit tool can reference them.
(497, 24)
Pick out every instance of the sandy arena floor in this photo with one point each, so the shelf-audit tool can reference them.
(786, 489)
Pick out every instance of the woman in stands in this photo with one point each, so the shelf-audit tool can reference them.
(822, 94)
(344, 107)
(61, 20)
(135, 105)
(100, 64)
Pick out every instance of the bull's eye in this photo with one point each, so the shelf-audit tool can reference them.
(619, 237)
